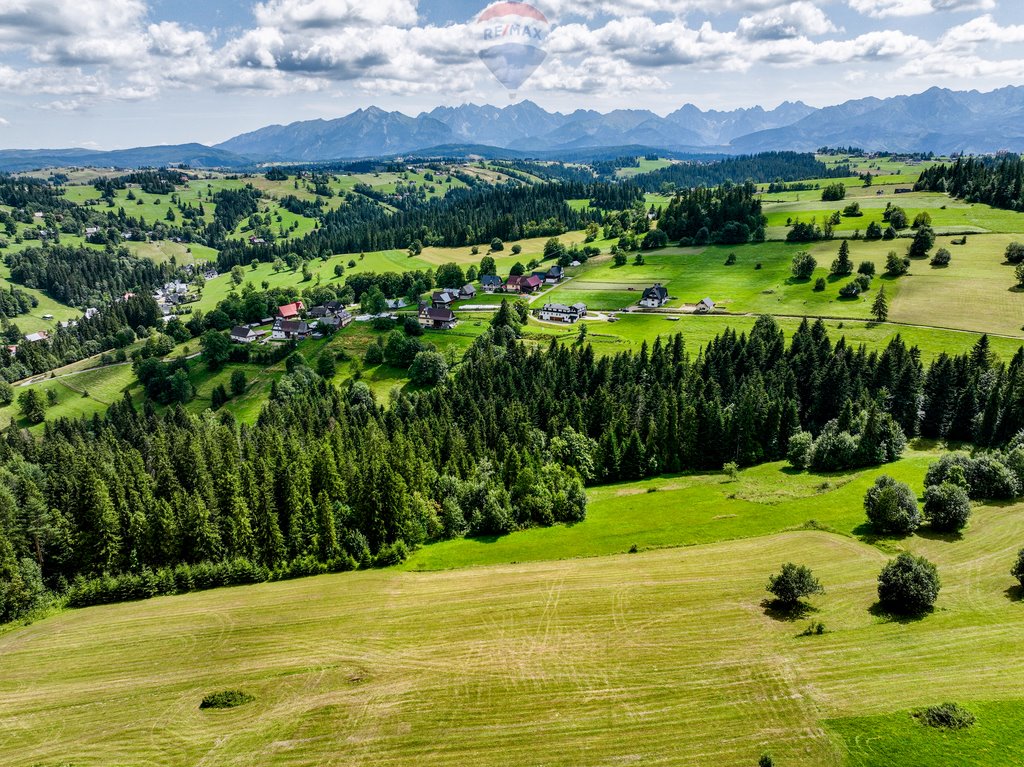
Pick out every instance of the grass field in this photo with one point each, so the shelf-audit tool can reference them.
(661, 657)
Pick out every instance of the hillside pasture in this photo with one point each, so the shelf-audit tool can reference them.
(661, 657)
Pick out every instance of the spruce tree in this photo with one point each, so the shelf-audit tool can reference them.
(880, 308)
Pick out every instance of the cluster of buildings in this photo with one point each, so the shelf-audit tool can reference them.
(294, 323)
(524, 283)
(172, 295)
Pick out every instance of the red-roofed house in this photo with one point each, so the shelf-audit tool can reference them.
(522, 284)
(290, 311)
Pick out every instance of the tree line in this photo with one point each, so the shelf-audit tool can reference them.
(995, 181)
(763, 167)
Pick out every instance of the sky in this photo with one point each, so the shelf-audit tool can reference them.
(109, 74)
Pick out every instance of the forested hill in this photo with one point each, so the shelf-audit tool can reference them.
(996, 181)
(462, 217)
(135, 503)
(768, 166)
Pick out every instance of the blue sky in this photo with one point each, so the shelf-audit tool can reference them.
(116, 73)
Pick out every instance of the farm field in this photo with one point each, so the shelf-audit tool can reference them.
(928, 296)
(647, 657)
(632, 330)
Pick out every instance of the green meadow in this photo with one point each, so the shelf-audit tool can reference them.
(555, 647)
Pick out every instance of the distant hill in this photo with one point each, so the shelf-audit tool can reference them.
(938, 120)
(194, 155)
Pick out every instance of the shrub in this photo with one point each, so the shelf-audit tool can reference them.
(815, 628)
(804, 265)
(850, 290)
(730, 259)
(942, 257)
(226, 699)
(766, 761)
(793, 583)
(866, 267)
(820, 284)
(948, 716)
(891, 506)
(947, 507)
(799, 452)
(908, 585)
(1015, 252)
(1018, 568)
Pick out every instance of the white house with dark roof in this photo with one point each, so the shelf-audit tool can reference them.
(561, 312)
(654, 297)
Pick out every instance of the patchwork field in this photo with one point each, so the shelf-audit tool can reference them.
(661, 657)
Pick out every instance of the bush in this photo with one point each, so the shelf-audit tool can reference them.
(804, 265)
(1015, 252)
(948, 716)
(866, 267)
(820, 284)
(226, 699)
(947, 507)
(815, 628)
(891, 506)
(392, 554)
(942, 257)
(428, 368)
(799, 452)
(908, 585)
(1018, 568)
(850, 290)
(793, 583)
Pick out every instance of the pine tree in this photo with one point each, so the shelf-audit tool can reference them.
(880, 308)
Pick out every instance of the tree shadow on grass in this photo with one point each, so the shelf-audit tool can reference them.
(939, 535)
(889, 615)
(1014, 593)
(785, 612)
(871, 536)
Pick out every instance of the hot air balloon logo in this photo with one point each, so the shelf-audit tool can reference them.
(511, 37)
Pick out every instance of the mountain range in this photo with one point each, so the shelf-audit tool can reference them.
(938, 120)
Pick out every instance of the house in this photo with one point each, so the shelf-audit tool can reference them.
(91, 230)
(91, 312)
(561, 312)
(444, 299)
(396, 303)
(335, 320)
(335, 306)
(438, 318)
(33, 338)
(490, 282)
(705, 306)
(468, 291)
(243, 335)
(290, 311)
(290, 330)
(654, 297)
(554, 275)
(343, 317)
(319, 312)
(522, 284)
(210, 274)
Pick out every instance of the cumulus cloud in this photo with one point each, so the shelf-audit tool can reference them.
(4, 122)
(792, 20)
(78, 54)
(983, 30)
(297, 15)
(881, 9)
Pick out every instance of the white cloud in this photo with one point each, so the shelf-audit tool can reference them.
(4, 122)
(881, 9)
(298, 15)
(73, 33)
(792, 20)
(981, 31)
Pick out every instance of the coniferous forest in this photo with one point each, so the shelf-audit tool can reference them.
(135, 503)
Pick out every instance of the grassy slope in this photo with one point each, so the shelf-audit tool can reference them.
(663, 657)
